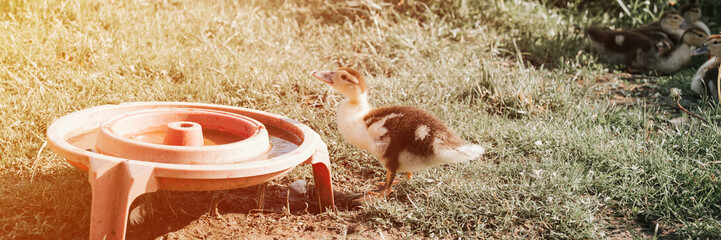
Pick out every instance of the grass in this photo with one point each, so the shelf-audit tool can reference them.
(518, 77)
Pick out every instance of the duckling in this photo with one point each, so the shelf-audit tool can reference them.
(631, 48)
(640, 53)
(680, 54)
(692, 15)
(705, 80)
(403, 139)
(671, 24)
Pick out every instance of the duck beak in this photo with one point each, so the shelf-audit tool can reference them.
(685, 25)
(326, 77)
(702, 50)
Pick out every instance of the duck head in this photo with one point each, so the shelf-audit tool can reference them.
(694, 37)
(671, 21)
(347, 81)
(712, 46)
(691, 13)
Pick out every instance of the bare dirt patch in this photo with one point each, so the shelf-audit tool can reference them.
(625, 89)
(189, 215)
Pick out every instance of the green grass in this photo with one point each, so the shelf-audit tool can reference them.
(515, 77)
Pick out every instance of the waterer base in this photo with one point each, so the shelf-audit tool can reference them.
(116, 184)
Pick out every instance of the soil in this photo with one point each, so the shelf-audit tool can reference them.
(285, 215)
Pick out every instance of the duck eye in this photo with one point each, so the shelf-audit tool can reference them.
(344, 77)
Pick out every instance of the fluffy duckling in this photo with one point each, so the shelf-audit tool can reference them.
(403, 139)
(640, 54)
(680, 54)
(705, 80)
(631, 48)
(670, 24)
(692, 14)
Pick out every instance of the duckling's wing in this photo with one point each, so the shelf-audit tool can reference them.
(408, 136)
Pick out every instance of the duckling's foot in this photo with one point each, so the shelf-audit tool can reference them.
(384, 183)
(387, 192)
(409, 176)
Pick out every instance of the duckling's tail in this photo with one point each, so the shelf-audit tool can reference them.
(469, 152)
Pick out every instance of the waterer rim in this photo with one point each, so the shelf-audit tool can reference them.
(310, 142)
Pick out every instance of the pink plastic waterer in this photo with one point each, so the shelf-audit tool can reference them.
(135, 148)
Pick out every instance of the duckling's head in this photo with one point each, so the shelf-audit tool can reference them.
(347, 81)
(712, 46)
(694, 37)
(671, 21)
(691, 12)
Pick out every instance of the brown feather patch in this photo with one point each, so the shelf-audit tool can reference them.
(402, 128)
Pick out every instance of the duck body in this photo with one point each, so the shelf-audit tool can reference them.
(403, 139)
(673, 60)
(680, 54)
(705, 81)
(703, 75)
(408, 139)
(633, 49)
(640, 53)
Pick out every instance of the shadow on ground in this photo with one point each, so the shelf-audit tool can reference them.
(192, 214)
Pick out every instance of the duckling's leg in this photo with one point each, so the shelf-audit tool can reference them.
(409, 175)
(390, 176)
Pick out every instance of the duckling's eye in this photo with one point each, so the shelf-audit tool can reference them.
(344, 77)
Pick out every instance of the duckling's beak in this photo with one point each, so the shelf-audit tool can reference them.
(685, 25)
(326, 77)
(702, 50)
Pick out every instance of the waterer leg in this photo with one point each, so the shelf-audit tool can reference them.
(115, 184)
(261, 195)
(322, 178)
